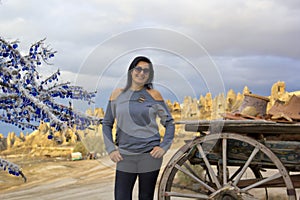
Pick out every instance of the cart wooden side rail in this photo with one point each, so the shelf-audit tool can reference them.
(234, 159)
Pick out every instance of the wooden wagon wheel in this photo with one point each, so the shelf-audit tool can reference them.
(225, 183)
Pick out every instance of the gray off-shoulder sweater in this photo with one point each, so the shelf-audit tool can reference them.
(136, 114)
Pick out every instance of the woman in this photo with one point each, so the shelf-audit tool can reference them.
(138, 149)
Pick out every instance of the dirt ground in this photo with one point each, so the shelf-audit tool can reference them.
(62, 179)
(85, 179)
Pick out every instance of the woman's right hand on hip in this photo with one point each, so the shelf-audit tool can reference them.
(115, 156)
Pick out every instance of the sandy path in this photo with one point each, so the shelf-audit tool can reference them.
(65, 180)
(62, 180)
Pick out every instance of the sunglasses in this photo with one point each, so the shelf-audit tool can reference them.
(140, 69)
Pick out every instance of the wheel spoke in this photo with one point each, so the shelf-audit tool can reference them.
(190, 170)
(210, 169)
(235, 173)
(177, 194)
(275, 176)
(254, 152)
(195, 178)
(224, 153)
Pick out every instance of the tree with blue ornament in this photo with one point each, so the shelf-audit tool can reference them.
(26, 98)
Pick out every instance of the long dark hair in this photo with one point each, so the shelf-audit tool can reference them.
(133, 64)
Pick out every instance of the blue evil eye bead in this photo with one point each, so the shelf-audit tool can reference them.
(38, 111)
(15, 46)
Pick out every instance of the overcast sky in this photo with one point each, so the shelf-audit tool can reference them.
(196, 45)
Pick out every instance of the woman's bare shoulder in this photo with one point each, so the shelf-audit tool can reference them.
(155, 94)
(114, 95)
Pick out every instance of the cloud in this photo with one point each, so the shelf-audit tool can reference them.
(248, 27)
(246, 38)
(231, 27)
(259, 73)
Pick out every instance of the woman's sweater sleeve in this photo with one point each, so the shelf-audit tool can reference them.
(168, 122)
(107, 126)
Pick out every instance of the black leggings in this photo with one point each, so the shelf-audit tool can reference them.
(125, 182)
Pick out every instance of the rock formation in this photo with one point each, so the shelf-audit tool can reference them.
(278, 93)
(206, 107)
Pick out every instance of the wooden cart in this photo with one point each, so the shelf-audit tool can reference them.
(234, 159)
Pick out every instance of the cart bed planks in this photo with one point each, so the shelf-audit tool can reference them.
(254, 128)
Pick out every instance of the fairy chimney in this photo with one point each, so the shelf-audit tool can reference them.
(230, 100)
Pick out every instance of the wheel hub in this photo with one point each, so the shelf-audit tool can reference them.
(227, 193)
(231, 193)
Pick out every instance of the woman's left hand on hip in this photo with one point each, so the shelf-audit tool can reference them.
(157, 152)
